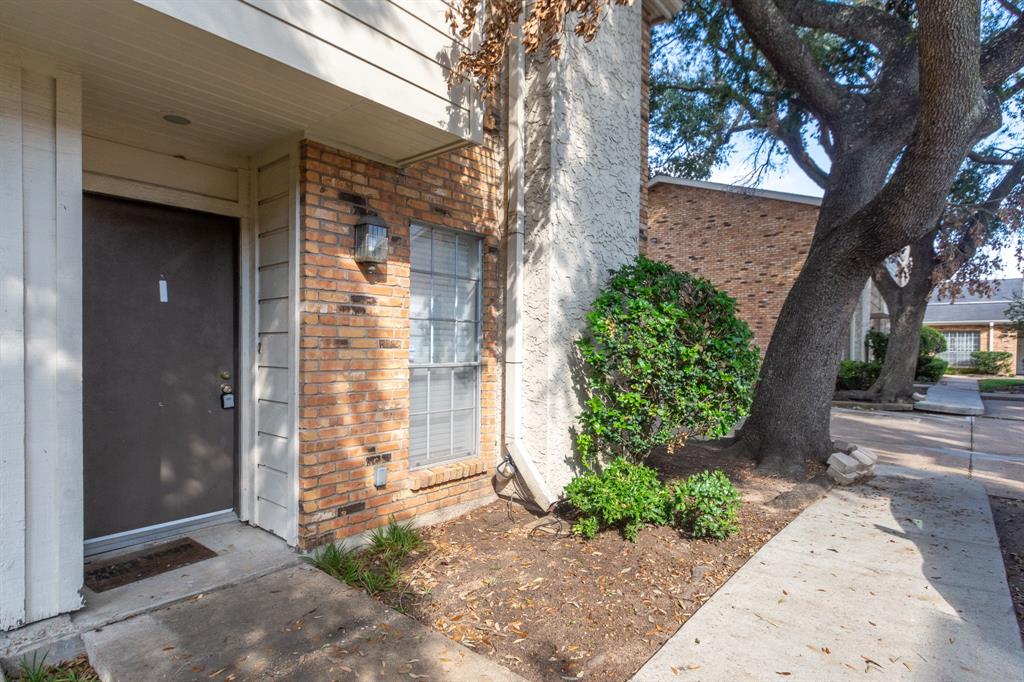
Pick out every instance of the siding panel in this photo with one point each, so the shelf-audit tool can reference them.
(276, 444)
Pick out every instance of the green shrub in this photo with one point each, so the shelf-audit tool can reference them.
(707, 505)
(629, 496)
(665, 356)
(623, 495)
(855, 375)
(991, 362)
(878, 342)
(933, 342)
(931, 370)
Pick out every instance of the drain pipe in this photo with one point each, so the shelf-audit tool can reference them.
(516, 449)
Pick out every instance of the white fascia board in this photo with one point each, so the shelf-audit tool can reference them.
(737, 189)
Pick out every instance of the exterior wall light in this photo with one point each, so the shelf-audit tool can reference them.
(371, 241)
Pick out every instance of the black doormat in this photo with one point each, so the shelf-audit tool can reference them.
(110, 573)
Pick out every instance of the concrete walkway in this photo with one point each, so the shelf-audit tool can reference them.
(297, 624)
(953, 395)
(991, 450)
(901, 578)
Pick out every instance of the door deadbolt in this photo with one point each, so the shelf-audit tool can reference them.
(224, 374)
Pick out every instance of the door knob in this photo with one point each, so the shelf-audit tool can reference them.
(226, 388)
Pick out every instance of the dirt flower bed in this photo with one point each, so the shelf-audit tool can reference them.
(1009, 518)
(550, 606)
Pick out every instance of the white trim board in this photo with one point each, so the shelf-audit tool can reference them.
(736, 189)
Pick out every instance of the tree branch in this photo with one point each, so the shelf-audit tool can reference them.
(1003, 55)
(989, 160)
(788, 132)
(855, 22)
(791, 58)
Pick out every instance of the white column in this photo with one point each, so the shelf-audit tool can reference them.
(41, 484)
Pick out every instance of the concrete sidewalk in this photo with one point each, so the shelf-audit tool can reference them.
(901, 577)
(989, 450)
(953, 395)
(297, 624)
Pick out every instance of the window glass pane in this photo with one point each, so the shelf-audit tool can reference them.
(440, 435)
(417, 439)
(464, 391)
(419, 306)
(444, 342)
(419, 341)
(464, 433)
(468, 257)
(465, 300)
(420, 238)
(440, 389)
(444, 252)
(418, 390)
(467, 342)
(444, 320)
(444, 298)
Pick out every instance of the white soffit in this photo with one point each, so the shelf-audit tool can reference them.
(139, 64)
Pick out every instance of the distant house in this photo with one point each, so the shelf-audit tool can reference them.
(749, 242)
(972, 323)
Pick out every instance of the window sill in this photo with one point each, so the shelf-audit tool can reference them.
(446, 473)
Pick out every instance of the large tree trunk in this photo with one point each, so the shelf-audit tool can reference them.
(790, 416)
(789, 420)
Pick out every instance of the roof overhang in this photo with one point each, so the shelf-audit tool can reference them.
(662, 10)
(736, 189)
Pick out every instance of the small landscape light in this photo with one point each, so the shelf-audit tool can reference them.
(371, 240)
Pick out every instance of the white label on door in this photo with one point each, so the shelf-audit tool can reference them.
(163, 291)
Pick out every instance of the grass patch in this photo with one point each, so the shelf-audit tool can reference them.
(35, 670)
(995, 385)
(375, 569)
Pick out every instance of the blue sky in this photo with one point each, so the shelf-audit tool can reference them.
(790, 178)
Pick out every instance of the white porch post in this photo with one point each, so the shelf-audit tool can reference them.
(41, 483)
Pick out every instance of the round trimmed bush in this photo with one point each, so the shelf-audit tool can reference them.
(665, 357)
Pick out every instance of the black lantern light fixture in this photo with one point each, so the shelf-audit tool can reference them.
(371, 241)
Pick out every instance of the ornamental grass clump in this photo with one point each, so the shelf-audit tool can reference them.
(665, 357)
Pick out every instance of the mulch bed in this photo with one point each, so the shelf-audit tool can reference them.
(525, 592)
(1009, 517)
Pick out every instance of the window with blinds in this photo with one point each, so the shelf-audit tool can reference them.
(959, 346)
(444, 352)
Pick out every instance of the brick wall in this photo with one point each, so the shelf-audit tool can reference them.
(752, 247)
(353, 373)
(1003, 340)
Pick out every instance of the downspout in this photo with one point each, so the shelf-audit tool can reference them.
(516, 449)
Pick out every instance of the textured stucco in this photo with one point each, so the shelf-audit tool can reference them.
(583, 179)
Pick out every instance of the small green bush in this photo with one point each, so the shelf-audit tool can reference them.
(665, 356)
(991, 362)
(932, 370)
(933, 342)
(878, 342)
(623, 495)
(855, 375)
(629, 496)
(707, 505)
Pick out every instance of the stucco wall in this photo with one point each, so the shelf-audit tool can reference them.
(583, 182)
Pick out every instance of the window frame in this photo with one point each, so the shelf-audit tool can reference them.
(429, 459)
(957, 357)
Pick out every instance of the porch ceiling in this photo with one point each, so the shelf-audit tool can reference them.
(138, 64)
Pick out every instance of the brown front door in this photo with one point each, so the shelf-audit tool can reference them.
(159, 322)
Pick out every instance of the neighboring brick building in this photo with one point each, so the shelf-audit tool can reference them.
(972, 323)
(751, 243)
